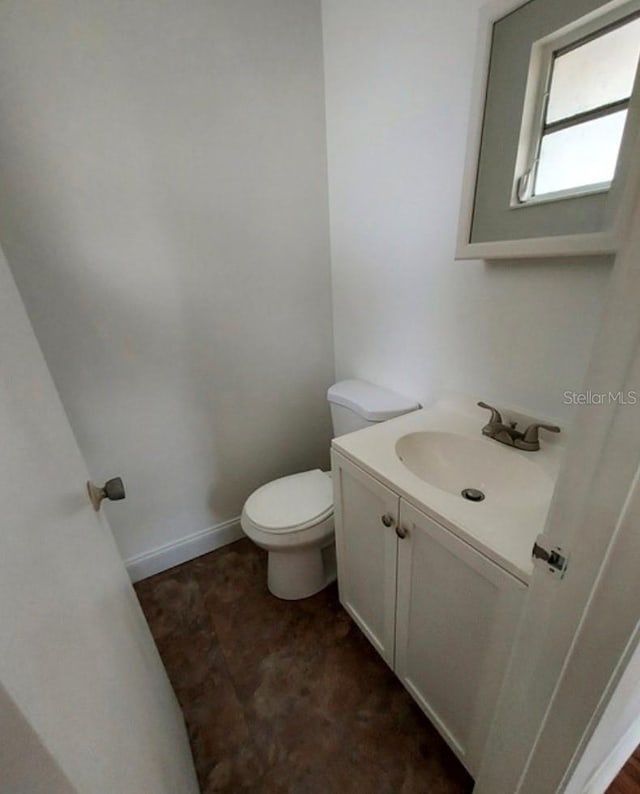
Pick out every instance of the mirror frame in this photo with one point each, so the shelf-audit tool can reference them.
(623, 192)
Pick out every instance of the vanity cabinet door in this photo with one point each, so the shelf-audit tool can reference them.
(366, 517)
(456, 617)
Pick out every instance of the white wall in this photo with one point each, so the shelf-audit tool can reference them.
(163, 206)
(398, 82)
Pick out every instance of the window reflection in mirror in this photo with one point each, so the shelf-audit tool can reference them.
(584, 88)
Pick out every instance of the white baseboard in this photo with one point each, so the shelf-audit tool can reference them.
(144, 565)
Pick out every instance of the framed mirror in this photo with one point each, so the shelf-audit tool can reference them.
(553, 157)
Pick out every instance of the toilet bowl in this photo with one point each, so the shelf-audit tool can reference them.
(292, 517)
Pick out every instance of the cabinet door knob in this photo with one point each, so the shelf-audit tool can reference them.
(402, 532)
(388, 520)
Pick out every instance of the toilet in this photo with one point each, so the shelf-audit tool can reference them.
(292, 517)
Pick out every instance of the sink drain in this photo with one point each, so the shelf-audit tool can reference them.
(472, 494)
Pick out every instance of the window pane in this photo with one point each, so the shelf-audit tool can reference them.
(596, 73)
(585, 154)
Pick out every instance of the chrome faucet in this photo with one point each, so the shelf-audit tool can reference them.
(507, 433)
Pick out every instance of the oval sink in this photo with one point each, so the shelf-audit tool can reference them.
(454, 462)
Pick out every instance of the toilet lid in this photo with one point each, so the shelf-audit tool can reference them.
(291, 501)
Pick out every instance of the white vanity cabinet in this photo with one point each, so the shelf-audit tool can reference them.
(440, 613)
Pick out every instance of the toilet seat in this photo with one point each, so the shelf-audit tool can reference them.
(291, 503)
(294, 510)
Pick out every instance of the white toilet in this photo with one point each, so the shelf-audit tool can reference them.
(292, 517)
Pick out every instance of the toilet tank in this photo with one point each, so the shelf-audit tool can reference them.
(356, 404)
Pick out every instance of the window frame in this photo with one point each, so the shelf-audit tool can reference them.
(534, 126)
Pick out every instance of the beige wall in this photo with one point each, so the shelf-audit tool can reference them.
(163, 206)
(398, 81)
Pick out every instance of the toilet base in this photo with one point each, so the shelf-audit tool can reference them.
(299, 574)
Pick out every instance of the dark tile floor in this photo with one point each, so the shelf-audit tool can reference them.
(285, 696)
(628, 781)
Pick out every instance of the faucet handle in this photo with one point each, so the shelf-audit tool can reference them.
(496, 416)
(531, 433)
(529, 440)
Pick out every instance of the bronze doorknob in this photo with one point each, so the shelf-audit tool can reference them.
(113, 490)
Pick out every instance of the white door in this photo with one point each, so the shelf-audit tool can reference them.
(366, 515)
(80, 678)
(456, 618)
(578, 633)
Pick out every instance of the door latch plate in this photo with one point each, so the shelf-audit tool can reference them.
(552, 558)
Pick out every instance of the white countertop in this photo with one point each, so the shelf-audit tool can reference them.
(504, 534)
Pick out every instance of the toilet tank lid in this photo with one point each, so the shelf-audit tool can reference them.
(371, 402)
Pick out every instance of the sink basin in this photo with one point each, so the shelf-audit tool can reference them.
(453, 462)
